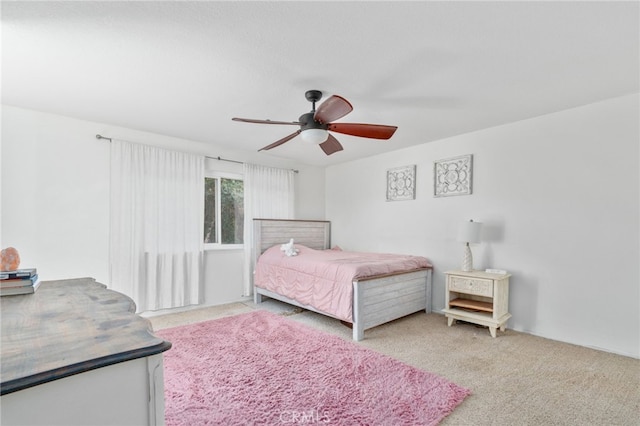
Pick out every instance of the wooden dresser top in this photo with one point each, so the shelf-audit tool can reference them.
(68, 327)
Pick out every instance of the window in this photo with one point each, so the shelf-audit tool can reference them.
(223, 211)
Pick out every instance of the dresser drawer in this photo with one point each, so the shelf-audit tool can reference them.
(475, 286)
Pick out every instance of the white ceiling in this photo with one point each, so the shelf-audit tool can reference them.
(434, 69)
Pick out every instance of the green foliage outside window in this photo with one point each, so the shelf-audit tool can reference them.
(224, 202)
(232, 211)
(210, 185)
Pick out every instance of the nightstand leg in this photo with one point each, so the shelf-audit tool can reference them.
(503, 327)
(492, 330)
(450, 321)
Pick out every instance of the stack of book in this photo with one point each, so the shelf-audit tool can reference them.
(20, 281)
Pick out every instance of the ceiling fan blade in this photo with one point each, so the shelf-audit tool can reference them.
(281, 141)
(332, 109)
(374, 131)
(251, 120)
(331, 145)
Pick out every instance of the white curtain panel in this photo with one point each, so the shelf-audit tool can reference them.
(156, 225)
(268, 194)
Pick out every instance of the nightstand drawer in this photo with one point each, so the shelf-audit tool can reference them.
(475, 286)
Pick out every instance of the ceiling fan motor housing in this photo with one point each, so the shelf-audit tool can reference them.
(307, 122)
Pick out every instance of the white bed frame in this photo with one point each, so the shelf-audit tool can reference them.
(376, 300)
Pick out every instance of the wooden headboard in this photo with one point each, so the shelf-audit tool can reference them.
(315, 234)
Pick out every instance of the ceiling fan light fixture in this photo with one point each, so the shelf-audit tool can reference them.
(314, 136)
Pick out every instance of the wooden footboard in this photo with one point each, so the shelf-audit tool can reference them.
(380, 300)
(376, 301)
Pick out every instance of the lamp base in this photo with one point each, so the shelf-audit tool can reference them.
(467, 260)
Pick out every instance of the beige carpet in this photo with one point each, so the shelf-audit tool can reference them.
(516, 379)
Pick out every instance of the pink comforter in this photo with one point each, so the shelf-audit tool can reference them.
(323, 278)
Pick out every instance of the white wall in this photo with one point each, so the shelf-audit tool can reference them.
(55, 196)
(559, 199)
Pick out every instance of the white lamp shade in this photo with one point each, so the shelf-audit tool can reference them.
(314, 136)
(469, 232)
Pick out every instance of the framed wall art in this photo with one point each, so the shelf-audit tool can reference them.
(401, 183)
(453, 176)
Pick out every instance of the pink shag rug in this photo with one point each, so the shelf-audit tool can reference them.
(262, 368)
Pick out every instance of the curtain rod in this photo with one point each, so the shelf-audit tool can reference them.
(206, 156)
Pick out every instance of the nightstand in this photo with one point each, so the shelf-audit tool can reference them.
(478, 297)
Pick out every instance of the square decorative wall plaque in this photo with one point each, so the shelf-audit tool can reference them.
(453, 176)
(401, 183)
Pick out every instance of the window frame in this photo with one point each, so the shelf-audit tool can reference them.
(221, 175)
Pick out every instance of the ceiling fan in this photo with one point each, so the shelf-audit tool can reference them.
(315, 125)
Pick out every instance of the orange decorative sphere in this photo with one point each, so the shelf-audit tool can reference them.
(9, 259)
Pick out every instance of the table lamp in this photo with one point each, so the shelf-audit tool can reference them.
(469, 232)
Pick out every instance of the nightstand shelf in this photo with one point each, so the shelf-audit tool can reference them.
(472, 305)
(478, 297)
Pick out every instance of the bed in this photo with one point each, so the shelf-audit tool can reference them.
(375, 299)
